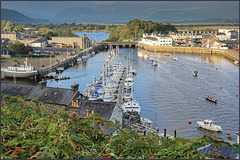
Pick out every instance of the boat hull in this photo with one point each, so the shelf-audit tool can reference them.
(12, 74)
(213, 127)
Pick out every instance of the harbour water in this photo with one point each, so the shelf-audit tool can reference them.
(95, 36)
(171, 90)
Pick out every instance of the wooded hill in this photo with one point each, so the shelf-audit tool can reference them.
(135, 29)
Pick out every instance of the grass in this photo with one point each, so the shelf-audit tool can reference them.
(23, 58)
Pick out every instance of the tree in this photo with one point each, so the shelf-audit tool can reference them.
(18, 29)
(30, 54)
(16, 46)
(107, 29)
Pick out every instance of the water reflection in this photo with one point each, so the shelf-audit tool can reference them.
(171, 91)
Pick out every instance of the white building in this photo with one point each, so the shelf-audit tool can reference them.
(157, 40)
(222, 36)
(232, 34)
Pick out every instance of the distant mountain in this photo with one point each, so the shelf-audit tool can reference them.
(163, 12)
(16, 17)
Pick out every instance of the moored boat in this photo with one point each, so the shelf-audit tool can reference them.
(195, 73)
(155, 63)
(146, 56)
(19, 72)
(208, 124)
(131, 106)
(211, 99)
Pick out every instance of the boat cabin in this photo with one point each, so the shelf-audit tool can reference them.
(208, 122)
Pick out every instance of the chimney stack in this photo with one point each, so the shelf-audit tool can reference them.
(74, 87)
(87, 112)
(42, 84)
(92, 112)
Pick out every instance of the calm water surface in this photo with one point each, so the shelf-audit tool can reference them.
(171, 91)
(95, 36)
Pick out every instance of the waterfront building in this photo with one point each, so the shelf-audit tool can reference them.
(222, 36)
(10, 35)
(157, 39)
(81, 42)
(232, 34)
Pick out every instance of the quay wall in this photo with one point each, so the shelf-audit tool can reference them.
(189, 50)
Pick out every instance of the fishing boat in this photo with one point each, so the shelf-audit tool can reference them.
(195, 73)
(211, 99)
(19, 72)
(131, 106)
(208, 124)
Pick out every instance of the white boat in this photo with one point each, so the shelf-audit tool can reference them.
(174, 58)
(140, 54)
(19, 72)
(208, 124)
(132, 70)
(131, 106)
(51, 75)
(84, 58)
(146, 122)
(146, 56)
(236, 62)
(80, 59)
(155, 63)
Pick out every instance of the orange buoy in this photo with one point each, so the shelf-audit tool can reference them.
(237, 95)
(205, 63)
(183, 64)
(197, 60)
(212, 65)
(186, 67)
(74, 83)
(228, 133)
(221, 87)
(189, 121)
(216, 68)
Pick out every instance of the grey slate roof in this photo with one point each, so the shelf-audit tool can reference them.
(151, 38)
(105, 109)
(225, 150)
(50, 95)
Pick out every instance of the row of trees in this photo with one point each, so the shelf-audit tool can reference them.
(136, 28)
(72, 26)
(47, 33)
(29, 131)
(9, 26)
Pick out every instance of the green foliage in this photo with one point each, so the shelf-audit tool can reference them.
(9, 26)
(16, 46)
(30, 131)
(136, 28)
(47, 33)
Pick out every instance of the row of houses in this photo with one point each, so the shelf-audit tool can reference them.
(37, 41)
(204, 39)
